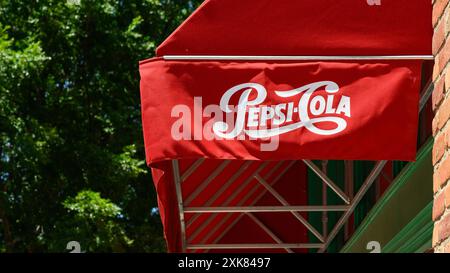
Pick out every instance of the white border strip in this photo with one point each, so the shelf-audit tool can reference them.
(292, 58)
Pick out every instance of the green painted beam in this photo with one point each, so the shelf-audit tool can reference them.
(416, 236)
(407, 197)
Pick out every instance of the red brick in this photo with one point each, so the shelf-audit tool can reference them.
(439, 147)
(447, 196)
(447, 24)
(436, 71)
(447, 82)
(447, 248)
(435, 128)
(438, 206)
(435, 235)
(443, 114)
(436, 182)
(439, 36)
(443, 56)
(441, 174)
(444, 228)
(441, 106)
(446, 134)
(438, 10)
(438, 92)
(447, 137)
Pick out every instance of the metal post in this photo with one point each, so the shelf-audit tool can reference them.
(348, 191)
(275, 180)
(247, 209)
(426, 96)
(227, 202)
(327, 180)
(324, 200)
(216, 195)
(285, 203)
(176, 178)
(255, 200)
(252, 246)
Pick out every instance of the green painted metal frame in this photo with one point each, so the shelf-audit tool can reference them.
(415, 234)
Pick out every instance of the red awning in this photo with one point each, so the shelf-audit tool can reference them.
(243, 96)
(296, 27)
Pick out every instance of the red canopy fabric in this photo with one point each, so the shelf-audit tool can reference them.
(321, 109)
(295, 27)
(318, 110)
(243, 190)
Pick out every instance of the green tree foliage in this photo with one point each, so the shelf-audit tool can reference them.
(71, 147)
(94, 220)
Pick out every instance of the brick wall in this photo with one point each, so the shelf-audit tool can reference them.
(441, 126)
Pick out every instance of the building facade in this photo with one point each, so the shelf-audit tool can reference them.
(441, 126)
